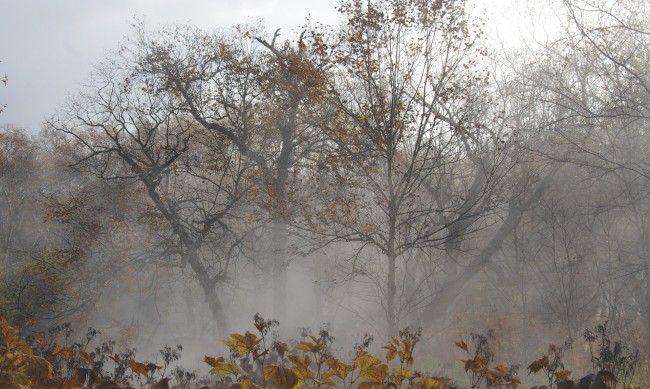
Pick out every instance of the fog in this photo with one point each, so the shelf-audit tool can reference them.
(403, 175)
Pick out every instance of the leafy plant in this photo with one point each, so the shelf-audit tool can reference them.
(551, 363)
(256, 362)
(611, 355)
(19, 367)
(42, 361)
(478, 361)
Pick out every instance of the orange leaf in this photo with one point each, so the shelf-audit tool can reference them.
(213, 361)
(391, 352)
(138, 368)
(562, 375)
(87, 357)
(64, 352)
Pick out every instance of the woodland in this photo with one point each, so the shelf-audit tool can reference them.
(394, 178)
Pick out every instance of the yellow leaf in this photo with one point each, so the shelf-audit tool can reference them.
(491, 374)
(305, 346)
(434, 382)
(405, 373)
(366, 385)
(302, 361)
(224, 369)
(338, 369)
(245, 383)
(281, 377)
(374, 373)
(502, 369)
(243, 344)
(304, 375)
(364, 360)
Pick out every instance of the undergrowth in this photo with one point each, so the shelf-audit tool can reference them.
(52, 359)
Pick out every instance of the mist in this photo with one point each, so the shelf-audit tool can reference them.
(399, 176)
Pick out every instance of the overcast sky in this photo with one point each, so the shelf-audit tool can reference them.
(48, 47)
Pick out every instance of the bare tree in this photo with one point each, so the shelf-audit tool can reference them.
(193, 180)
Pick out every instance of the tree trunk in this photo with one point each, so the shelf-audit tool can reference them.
(319, 279)
(216, 308)
(391, 293)
(412, 289)
(646, 312)
(279, 271)
(209, 287)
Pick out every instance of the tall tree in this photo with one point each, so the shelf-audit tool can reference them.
(413, 162)
(257, 94)
(193, 180)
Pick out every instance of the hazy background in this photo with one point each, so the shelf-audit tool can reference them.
(48, 48)
(577, 254)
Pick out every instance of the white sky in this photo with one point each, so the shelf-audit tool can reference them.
(48, 47)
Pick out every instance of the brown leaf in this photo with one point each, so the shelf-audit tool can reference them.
(538, 365)
(462, 345)
(562, 375)
(138, 368)
(80, 374)
(475, 364)
(280, 348)
(213, 361)
(162, 384)
(391, 352)
(88, 357)
(38, 369)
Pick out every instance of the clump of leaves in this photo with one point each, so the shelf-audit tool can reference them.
(551, 363)
(50, 359)
(19, 367)
(478, 362)
(611, 355)
(256, 362)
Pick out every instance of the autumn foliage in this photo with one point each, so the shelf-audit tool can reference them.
(259, 360)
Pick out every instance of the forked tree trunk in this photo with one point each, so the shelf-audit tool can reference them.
(453, 286)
